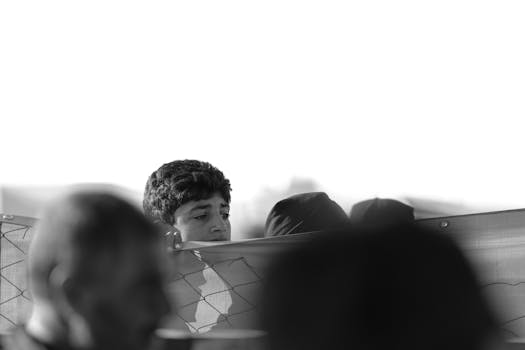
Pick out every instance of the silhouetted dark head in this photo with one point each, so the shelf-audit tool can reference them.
(305, 212)
(380, 211)
(401, 289)
(96, 267)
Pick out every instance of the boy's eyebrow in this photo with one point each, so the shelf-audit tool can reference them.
(198, 207)
(225, 205)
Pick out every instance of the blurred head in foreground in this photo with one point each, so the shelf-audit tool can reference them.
(374, 290)
(381, 212)
(96, 275)
(305, 212)
(191, 196)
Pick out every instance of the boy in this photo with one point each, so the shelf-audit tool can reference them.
(193, 198)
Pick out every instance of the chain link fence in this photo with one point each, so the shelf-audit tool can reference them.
(15, 301)
(213, 288)
(216, 285)
(215, 295)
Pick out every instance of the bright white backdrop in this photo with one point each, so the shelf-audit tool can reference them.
(377, 98)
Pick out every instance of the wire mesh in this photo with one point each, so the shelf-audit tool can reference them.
(15, 301)
(214, 294)
(210, 294)
(217, 287)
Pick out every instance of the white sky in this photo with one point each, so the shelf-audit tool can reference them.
(369, 98)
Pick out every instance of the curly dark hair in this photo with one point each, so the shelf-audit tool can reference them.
(179, 182)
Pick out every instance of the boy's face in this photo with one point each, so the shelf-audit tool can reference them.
(204, 220)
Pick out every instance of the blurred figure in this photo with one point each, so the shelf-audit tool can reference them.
(305, 212)
(407, 289)
(192, 199)
(378, 211)
(96, 274)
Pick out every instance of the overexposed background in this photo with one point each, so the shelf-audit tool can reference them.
(420, 101)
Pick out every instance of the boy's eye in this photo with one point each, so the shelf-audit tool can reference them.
(200, 217)
(225, 216)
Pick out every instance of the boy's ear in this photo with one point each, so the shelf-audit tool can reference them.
(57, 279)
(71, 291)
(62, 288)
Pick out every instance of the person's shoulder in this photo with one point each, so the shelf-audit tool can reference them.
(3, 338)
(18, 339)
(6, 339)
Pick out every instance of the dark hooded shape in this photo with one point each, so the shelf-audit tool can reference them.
(305, 212)
(379, 211)
(375, 288)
